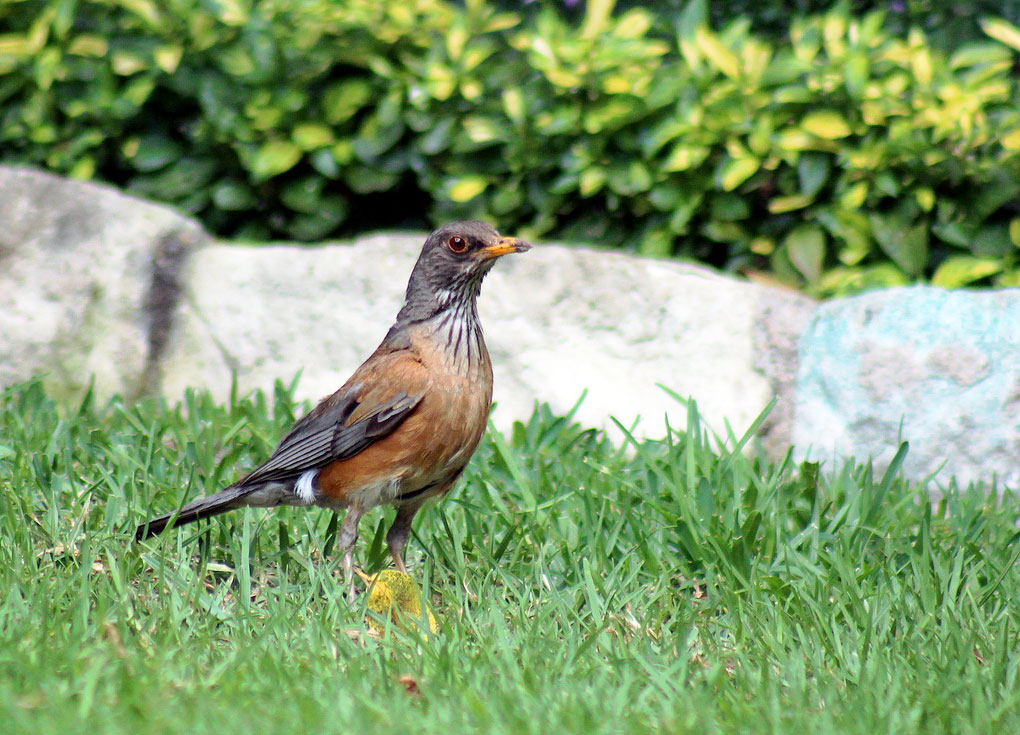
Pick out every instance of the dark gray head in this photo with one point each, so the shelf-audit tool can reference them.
(451, 267)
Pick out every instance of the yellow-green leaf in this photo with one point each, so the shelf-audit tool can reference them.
(482, 129)
(312, 135)
(963, 269)
(126, 63)
(596, 13)
(920, 62)
(925, 198)
(456, 37)
(683, 157)
(592, 179)
(88, 44)
(15, 44)
(1011, 140)
(721, 57)
(143, 9)
(854, 197)
(1014, 231)
(735, 172)
(632, 24)
(795, 140)
(274, 158)
(1002, 31)
(168, 57)
(467, 188)
(778, 205)
(501, 21)
(343, 99)
(83, 169)
(826, 124)
(513, 104)
(233, 12)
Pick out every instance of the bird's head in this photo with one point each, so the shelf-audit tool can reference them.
(451, 267)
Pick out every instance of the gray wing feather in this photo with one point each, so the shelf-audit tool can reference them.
(317, 440)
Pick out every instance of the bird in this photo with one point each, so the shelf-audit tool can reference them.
(402, 428)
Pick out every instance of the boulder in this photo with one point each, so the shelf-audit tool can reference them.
(87, 278)
(938, 368)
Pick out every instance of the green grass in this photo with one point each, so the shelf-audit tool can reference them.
(673, 586)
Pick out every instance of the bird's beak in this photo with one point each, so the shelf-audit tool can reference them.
(504, 246)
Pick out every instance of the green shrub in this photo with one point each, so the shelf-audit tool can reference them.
(844, 158)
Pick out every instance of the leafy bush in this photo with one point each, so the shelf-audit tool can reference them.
(845, 158)
(946, 24)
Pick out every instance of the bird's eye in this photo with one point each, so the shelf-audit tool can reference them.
(457, 244)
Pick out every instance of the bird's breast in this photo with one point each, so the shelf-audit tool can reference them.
(432, 445)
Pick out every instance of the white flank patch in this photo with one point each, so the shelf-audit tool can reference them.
(305, 486)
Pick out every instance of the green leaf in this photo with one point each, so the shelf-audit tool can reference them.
(852, 228)
(325, 163)
(438, 137)
(304, 194)
(376, 137)
(152, 152)
(273, 158)
(656, 242)
(813, 171)
(370, 179)
(805, 246)
(342, 100)
(630, 179)
(960, 270)
(233, 196)
(684, 212)
(693, 17)
(729, 207)
(903, 240)
(666, 196)
(332, 210)
(179, 180)
(992, 241)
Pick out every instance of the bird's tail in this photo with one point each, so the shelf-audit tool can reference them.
(212, 505)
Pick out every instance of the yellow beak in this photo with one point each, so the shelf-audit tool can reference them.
(504, 246)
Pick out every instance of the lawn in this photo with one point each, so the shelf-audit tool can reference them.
(676, 586)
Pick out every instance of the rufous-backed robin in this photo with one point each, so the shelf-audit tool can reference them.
(403, 427)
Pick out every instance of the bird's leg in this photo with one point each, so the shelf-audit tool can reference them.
(345, 540)
(396, 537)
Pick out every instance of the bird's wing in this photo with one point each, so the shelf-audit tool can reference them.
(377, 398)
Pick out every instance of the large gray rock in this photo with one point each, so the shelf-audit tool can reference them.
(558, 321)
(86, 276)
(938, 368)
